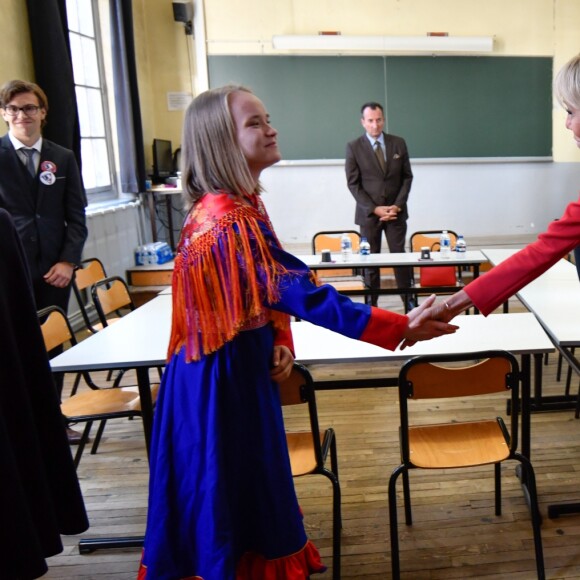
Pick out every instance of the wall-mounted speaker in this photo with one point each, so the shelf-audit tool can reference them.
(183, 12)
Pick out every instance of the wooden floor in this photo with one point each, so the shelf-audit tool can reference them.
(455, 532)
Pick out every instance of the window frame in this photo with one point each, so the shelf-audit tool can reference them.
(110, 191)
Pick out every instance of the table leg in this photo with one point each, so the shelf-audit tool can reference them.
(152, 220)
(563, 402)
(557, 402)
(89, 545)
(525, 419)
(170, 221)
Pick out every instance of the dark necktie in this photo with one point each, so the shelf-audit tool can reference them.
(380, 156)
(29, 161)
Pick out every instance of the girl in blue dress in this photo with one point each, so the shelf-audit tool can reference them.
(222, 504)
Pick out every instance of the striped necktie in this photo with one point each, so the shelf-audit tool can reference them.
(380, 156)
(29, 161)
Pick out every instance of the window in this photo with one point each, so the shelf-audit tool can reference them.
(96, 143)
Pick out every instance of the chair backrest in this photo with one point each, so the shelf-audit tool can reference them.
(56, 329)
(429, 239)
(90, 271)
(298, 389)
(465, 375)
(434, 275)
(330, 240)
(111, 295)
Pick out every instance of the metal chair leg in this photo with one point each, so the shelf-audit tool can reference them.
(393, 523)
(535, 514)
(497, 477)
(98, 436)
(82, 443)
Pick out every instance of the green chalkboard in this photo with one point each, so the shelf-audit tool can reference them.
(442, 106)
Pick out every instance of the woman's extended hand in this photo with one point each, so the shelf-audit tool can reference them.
(422, 326)
(282, 360)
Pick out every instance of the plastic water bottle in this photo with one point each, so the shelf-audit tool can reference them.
(346, 247)
(445, 245)
(460, 247)
(364, 248)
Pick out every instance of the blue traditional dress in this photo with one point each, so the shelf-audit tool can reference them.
(222, 504)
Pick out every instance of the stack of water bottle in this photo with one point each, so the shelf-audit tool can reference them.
(346, 247)
(445, 245)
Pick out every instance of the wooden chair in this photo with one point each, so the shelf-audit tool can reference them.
(459, 443)
(97, 404)
(111, 297)
(90, 271)
(435, 275)
(450, 277)
(342, 279)
(309, 449)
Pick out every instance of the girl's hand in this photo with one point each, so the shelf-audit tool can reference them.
(282, 360)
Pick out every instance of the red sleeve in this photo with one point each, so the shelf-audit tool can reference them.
(284, 338)
(493, 288)
(385, 328)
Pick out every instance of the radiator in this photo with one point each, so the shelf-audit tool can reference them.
(114, 233)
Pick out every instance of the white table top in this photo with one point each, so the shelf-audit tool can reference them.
(518, 333)
(554, 297)
(166, 190)
(561, 270)
(471, 257)
(140, 339)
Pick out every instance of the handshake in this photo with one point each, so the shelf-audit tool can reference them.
(431, 319)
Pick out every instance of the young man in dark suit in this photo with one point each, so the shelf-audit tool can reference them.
(379, 176)
(41, 187)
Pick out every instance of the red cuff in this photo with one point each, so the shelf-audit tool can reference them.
(385, 328)
(284, 338)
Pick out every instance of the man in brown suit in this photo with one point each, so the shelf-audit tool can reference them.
(379, 176)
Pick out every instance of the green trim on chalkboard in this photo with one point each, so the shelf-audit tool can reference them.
(444, 107)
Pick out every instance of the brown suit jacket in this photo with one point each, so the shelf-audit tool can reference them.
(370, 186)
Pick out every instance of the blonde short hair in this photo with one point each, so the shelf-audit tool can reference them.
(567, 83)
(211, 157)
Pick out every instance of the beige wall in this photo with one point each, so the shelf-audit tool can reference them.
(520, 26)
(16, 61)
(163, 55)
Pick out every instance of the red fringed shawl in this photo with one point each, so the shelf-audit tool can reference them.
(217, 291)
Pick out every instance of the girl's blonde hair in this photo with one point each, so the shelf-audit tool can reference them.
(211, 157)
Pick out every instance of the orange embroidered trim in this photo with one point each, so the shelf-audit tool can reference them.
(216, 291)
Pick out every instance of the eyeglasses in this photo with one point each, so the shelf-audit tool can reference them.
(28, 110)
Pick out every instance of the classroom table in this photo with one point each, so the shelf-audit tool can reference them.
(139, 340)
(471, 259)
(554, 298)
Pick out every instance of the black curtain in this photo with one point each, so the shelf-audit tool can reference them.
(129, 129)
(53, 71)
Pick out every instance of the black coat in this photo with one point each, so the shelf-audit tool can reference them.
(50, 218)
(40, 497)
